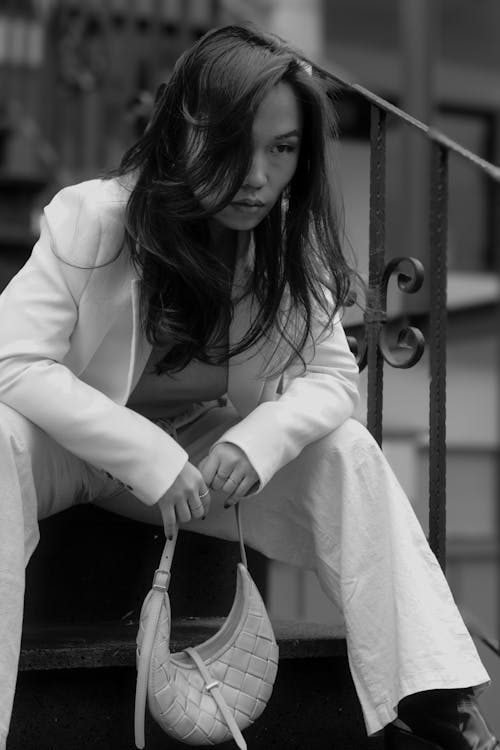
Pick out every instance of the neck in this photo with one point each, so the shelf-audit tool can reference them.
(221, 236)
(228, 244)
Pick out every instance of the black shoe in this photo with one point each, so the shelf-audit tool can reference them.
(397, 738)
(440, 720)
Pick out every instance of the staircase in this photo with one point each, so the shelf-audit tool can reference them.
(77, 672)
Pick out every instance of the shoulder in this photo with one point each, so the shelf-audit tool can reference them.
(86, 221)
(101, 198)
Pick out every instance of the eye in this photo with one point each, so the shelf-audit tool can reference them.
(284, 148)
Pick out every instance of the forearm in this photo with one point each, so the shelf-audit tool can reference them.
(93, 427)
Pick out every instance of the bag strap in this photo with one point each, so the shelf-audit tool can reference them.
(243, 553)
(161, 581)
(168, 551)
(213, 688)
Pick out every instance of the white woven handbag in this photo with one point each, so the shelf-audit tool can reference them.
(206, 694)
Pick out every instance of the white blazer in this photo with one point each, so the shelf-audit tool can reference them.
(72, 350)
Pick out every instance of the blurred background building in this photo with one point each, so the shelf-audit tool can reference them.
(77, 80)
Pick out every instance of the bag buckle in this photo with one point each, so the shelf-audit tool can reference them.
(161, 580)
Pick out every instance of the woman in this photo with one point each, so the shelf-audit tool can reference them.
(174, 345)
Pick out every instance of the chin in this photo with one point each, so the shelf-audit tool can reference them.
(242, 224)
(239, 223)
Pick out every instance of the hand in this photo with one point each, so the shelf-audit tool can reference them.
(187, 498)
(228, 469)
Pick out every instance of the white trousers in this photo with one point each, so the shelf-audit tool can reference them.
(336, 509)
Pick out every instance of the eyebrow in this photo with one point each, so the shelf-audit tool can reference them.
(290, 134)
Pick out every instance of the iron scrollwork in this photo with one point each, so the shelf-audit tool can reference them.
(409, 344)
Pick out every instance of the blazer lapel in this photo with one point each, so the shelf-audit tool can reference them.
(140, 348)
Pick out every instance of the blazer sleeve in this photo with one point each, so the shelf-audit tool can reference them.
(39, 310)
(312, 404)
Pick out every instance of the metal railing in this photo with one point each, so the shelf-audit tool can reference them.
(373, 349)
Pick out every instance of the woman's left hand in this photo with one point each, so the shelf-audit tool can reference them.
(227, 468)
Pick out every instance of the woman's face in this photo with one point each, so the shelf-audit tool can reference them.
(276, 137)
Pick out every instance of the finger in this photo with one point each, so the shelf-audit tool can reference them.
(232, 483)
(205, 499)
(242, 489)
(197, 504)
(182, 511)
(169, 522)
(221, 477)
(208, 466)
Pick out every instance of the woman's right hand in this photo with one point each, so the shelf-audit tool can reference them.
(187, 498)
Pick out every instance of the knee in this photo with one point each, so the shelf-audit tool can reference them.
(351, 435)
(349, 444)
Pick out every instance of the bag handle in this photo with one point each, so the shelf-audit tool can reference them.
(168, 551)
(161, 581)
(167, 425)
(239, 525)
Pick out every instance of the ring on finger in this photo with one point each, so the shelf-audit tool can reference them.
(204, 494)
(195, 506)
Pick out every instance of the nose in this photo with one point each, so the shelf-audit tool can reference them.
(257, 174)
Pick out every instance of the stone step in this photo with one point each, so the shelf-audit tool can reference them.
(76, 689)
(91, 565)
(85, 586)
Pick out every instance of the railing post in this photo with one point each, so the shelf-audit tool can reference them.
(418, 27)
(375, 315)
(437, 340)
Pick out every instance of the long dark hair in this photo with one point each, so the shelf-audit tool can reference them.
(299, 270)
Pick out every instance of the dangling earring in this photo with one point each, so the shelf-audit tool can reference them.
(285, 204)
(285, 201)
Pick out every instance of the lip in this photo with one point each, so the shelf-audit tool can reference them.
(249, 203)
(248, 206)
